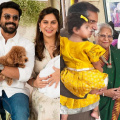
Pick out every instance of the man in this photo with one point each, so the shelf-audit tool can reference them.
(86, 9)
(15, 97)
(91, 12)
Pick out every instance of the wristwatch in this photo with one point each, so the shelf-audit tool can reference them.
(1, 67)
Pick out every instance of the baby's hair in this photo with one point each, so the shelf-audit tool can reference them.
(75, 20)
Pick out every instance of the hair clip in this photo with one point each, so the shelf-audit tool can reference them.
(83, 17)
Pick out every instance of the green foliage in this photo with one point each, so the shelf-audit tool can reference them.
(30, 10)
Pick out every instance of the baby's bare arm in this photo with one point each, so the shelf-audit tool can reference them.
(97, 66)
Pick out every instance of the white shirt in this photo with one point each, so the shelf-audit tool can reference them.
(18, 86)
(50, 91)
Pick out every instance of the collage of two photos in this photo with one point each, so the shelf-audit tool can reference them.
(59, 60)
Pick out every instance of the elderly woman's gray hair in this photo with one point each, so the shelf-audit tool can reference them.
(103, 25)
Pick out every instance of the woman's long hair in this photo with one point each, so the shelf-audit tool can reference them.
(39, 40)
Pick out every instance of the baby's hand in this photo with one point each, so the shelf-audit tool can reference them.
(94, 91)
(102, 89)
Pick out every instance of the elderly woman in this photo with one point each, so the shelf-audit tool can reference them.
(110, 62)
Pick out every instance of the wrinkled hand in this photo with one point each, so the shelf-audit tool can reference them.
(109, 92)
(117, 94)
(55, 77)
(38, 83)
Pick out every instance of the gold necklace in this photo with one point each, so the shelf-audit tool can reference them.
(109, 65)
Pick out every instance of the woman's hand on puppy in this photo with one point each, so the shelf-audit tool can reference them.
(55, 77)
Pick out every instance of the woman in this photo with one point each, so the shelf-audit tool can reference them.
(110, 62)
(47, 46)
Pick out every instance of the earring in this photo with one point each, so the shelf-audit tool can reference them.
(39, 29)
(57, 30)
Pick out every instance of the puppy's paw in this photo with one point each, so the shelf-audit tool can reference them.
(9, 82)
(22, 66)
(2, 76)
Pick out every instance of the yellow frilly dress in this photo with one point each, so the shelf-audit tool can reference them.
(80, 77)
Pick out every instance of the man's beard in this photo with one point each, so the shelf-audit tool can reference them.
(9, 30)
